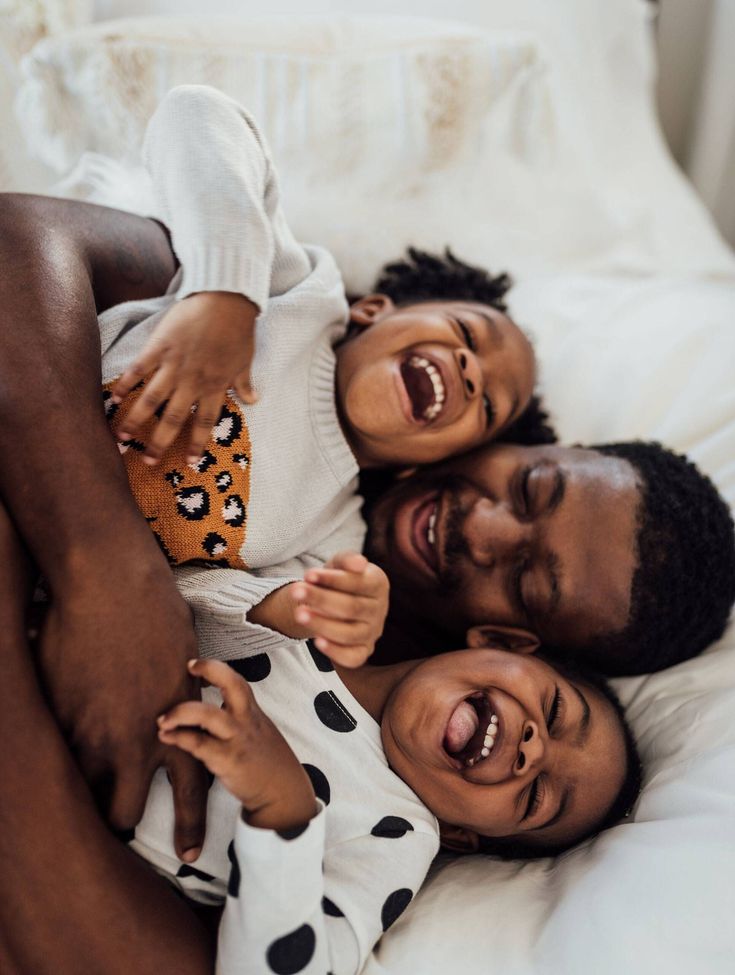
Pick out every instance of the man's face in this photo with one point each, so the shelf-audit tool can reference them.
(539, 538)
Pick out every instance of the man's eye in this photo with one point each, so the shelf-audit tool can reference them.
(520, 570)
(524, 495)
(468, 336)
(489, 412)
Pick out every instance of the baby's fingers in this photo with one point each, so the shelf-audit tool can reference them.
(207, 414)
(349, 561)
(198, 743)
(155, 392)
(150, 358)
(170, 425)
(329, 602)
(371, 583)
(236, 693)
(196, 714)
(345, 656)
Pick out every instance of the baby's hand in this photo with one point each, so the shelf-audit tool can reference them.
(202, 347)
(241, 746)
(344, 605)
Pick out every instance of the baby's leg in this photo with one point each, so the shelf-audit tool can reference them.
(73, 899)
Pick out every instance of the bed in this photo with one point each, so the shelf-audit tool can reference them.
(524, 135)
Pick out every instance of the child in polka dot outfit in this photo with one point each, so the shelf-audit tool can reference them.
(268, 483)
(334, 787)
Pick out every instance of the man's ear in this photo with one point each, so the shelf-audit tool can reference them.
(512, 638)
(367, 310)
(458, 839)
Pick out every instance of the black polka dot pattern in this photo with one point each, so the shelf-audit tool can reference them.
(323, 663)
(125, 835)
(253, 668)
(319, 783)
(292, 952)
(185, 870)
(293, 832)
(233, 884)
(330, 908)
(395, 904)
(391, 827)
(332, 713)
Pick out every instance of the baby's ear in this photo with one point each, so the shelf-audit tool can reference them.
(511, 638)
(458, 839)
(369, 309)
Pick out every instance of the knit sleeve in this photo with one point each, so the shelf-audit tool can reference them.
(216, 191)
(292, 908)
(221, 600)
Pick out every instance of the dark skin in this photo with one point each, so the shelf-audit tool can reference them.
(57, 258)
(73, 900)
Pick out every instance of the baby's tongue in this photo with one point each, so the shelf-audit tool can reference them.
(462, 726)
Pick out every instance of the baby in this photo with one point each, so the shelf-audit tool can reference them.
(270, 482)
(335, 788)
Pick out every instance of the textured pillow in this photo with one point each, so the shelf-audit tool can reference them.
(22, 24)
(385, 131)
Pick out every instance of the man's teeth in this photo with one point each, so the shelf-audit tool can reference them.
(433, 410)
(487, 744)
(430, 533)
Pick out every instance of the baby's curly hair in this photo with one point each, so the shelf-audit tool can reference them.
(684, 583)
(422, 276)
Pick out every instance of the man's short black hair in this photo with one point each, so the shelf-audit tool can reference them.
(684, 582)
(422, 276)
(520, 848)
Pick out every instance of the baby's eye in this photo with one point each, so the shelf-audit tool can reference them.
(468, 336)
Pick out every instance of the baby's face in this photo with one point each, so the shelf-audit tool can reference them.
(422, 382)
(503, 745)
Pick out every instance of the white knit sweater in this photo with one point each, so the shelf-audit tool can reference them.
(218, 194)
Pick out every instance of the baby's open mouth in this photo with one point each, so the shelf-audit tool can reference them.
(472, 730)
(425, 387)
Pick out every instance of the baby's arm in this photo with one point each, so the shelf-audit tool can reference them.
(342, 605)
(292, 904)
(218, 195)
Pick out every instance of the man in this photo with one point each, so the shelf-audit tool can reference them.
(548, 543)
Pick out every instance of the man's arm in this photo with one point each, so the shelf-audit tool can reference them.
(73, 900)
(118, 634)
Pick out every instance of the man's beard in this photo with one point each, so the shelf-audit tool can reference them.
(455, 546)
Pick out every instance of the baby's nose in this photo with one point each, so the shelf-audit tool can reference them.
(530, 749)
(470, 372)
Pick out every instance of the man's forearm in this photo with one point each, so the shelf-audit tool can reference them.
(61, 474)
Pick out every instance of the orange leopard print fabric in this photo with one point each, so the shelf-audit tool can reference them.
(198, 512)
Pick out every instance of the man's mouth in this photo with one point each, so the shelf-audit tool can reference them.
(472, 730)
(425, 388)
(423, 533)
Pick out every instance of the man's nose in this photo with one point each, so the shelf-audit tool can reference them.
(493, 533)
(530, 749)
